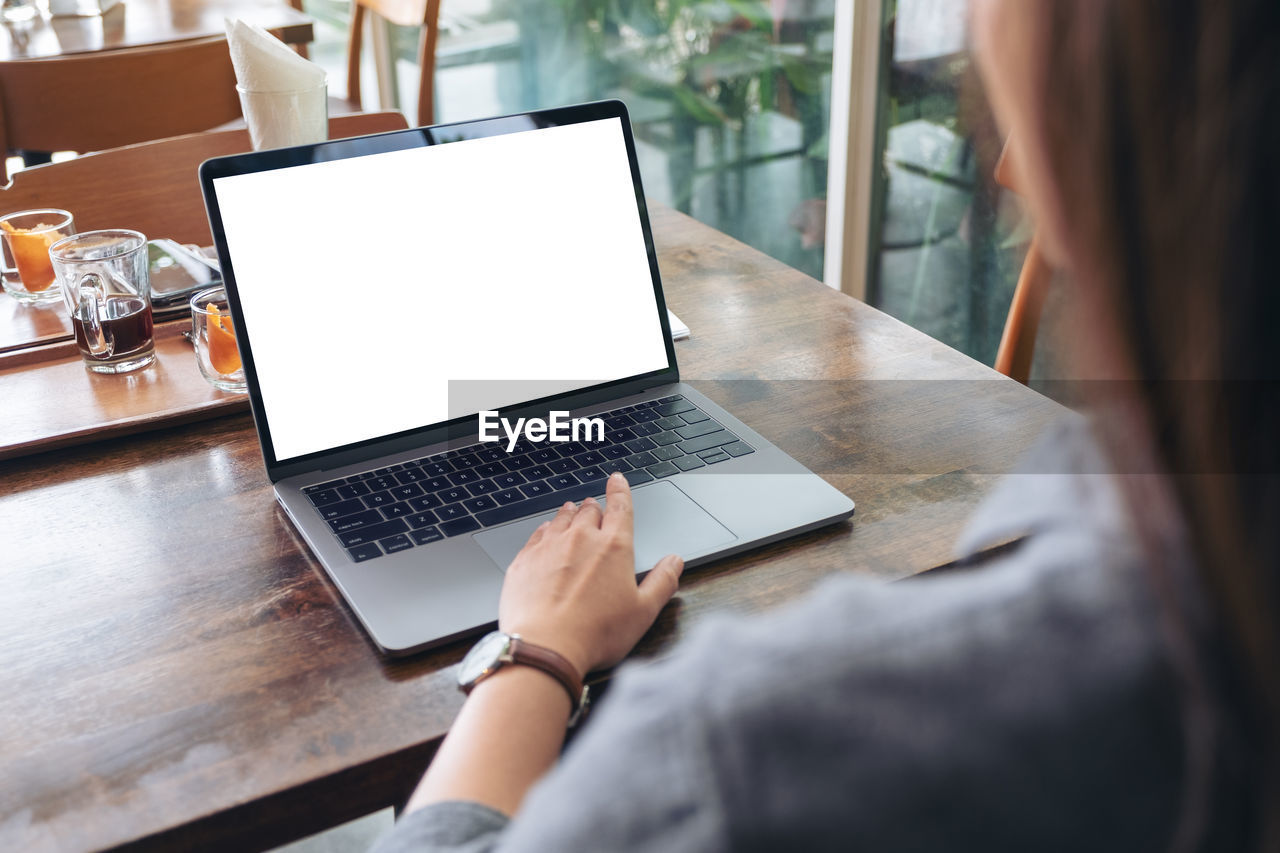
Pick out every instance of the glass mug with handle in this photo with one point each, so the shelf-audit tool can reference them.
(105, 283)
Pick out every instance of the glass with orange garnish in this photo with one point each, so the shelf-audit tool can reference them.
(28, 234)
(214, 337)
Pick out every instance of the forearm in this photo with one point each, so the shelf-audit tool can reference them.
(506, 737)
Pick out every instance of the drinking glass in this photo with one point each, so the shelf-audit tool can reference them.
(215, 340)
(28, 234)
(106, 286)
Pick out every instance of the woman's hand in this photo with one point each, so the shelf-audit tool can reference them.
(572, 587)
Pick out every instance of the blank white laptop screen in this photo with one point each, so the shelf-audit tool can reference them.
(368, 284)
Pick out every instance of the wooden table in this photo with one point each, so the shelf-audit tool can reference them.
(135, 23)
(176, 672)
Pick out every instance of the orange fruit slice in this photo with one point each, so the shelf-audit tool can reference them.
(224, 355)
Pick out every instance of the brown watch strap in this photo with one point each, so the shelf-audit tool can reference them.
(550, 662)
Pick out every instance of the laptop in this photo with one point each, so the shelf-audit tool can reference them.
(447, 332)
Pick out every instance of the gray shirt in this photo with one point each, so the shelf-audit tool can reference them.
(1026, 704)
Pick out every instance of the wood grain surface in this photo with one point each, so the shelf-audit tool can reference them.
(136, 23)
(176, 672)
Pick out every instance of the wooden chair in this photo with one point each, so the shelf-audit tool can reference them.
(152, 187)
(404, 13)
(107, 99)
(1018, 342)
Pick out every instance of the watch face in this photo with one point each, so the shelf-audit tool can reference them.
(482, 657)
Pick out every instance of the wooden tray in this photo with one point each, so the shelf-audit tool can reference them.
(49, 400)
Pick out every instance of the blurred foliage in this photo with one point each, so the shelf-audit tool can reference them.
(715, 61)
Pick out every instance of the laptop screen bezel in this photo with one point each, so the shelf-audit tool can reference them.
(464, 428)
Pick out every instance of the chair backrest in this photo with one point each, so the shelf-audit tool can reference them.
(106, 99)
(153, 187)
(1018, 341)
(403, 13)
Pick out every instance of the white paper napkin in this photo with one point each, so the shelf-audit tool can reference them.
(263, 63)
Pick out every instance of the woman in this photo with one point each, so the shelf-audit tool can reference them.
(1110, 685)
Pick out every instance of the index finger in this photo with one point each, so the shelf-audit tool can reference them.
(618, 508)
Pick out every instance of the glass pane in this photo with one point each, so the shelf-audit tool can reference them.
(950, 242)
(729, 98)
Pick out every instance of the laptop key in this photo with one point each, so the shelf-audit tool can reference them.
(562, 481)
(320, 487)
(392, 544)
(688, 463)
(452, 496)
(384, 482)
(491, 469)
(639, 477)
(491, 455)
(695, 417)
(507, 496)
(467, 461)
(542, 503)
(359, 519)
(713, 457)
(412, 490)
(481, 503)
(421, 519)
(666, 454)
(542, 472)
(378, 499)
(372, 532)
(615, 451)
(738, 448)
(641, 460)
(483, 487)
(662, 469)
(708, 441)
(544, 455)
(387, 470)
(675, 407)
(560, 466)
(591, 457)
(695, 430)
(396, 510)
(612, 465)
(463, 476)
(426, 534)
(644, 415)
(410, 475)
(640, 444)
(618, 436)
(324, 498)
(618, 422)
(368, 551)
(460, 526)
(438, 468)
(664, 439)
(532, 490)
(426, 502)
(646, 429)
(518, 463)
(435, 484)
(590, 474)
(338, 510)
(672, 399)
(508, 480)
(449, 512)
(669, 423)
(354, 490)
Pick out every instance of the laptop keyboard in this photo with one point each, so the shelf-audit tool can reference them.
(459, 491)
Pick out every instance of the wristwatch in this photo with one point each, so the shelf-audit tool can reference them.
(497, 649)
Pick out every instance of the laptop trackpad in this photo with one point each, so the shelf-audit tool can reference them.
(667, 522)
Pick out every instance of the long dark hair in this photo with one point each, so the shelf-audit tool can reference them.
(1160, 120)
